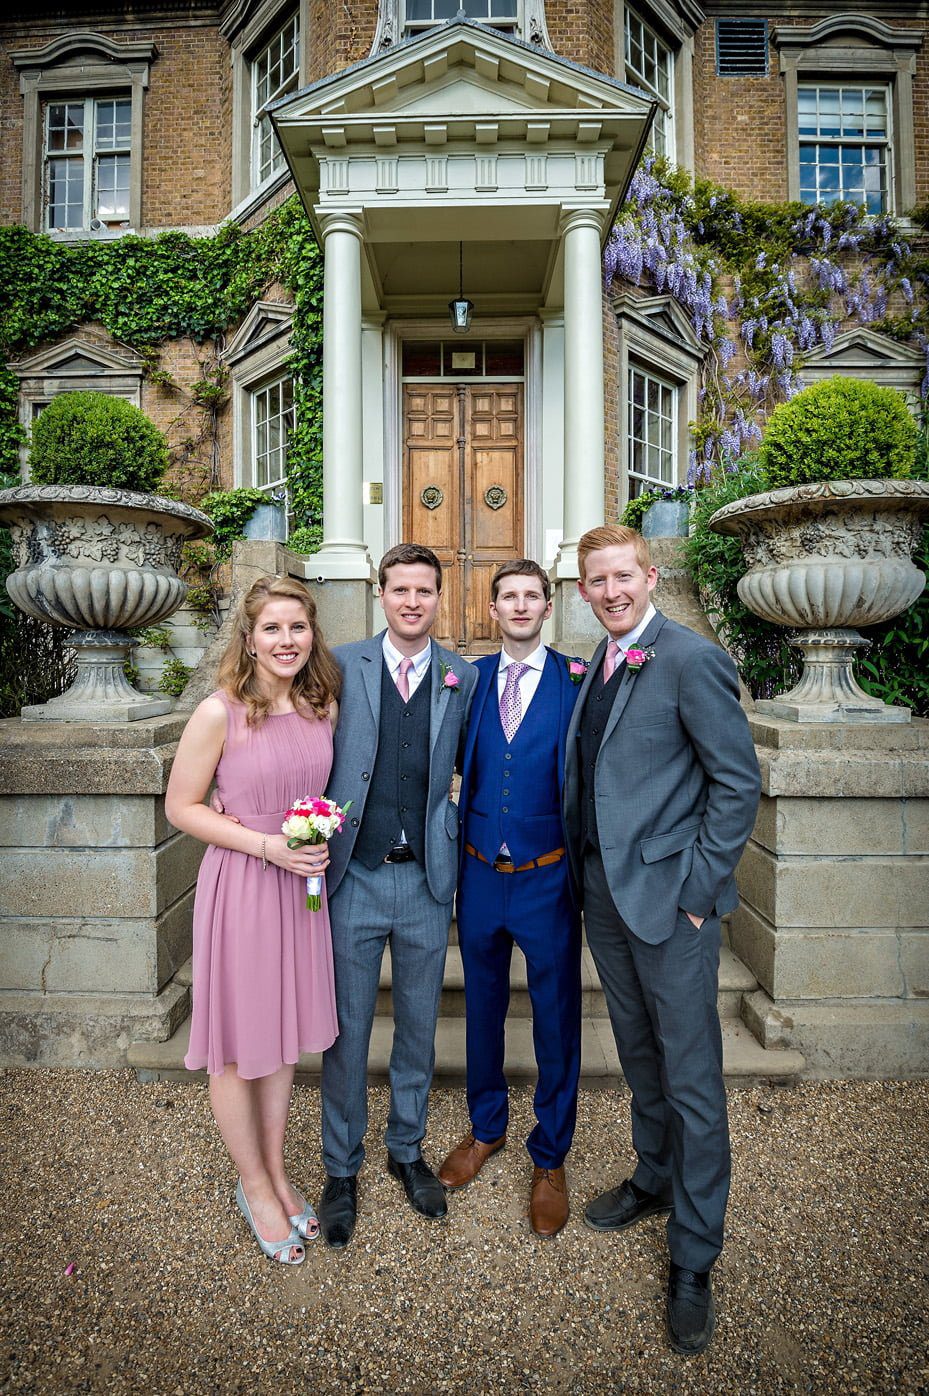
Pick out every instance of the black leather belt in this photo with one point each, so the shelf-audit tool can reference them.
(400, 853)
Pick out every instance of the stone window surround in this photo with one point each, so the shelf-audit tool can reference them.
(391, 16)
(676, 25)
(247, 30)
(880, 55)
(671, 354)
(254, 363)
(45, 375)
(61, 68)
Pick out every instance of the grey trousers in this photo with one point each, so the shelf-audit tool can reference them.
(371, 907)
(662, 1004)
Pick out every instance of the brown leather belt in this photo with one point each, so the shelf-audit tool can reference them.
(544, 862)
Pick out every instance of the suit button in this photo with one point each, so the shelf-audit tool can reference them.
(505, 810)
(507, 757)
(366, 775)
(405, 744)
(354, 823)
(403, 809)
(403, 777)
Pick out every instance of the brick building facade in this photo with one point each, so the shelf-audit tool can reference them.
(156, 116)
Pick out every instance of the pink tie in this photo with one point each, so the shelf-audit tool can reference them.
(610, 660)
(403, 680)
(511, 707)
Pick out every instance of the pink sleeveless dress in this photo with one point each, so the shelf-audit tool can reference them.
(263, 988)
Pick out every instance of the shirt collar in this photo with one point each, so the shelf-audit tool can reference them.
(626, 642)
(393, 657)
(536, 659)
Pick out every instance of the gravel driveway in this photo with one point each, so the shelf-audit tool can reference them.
(822, 1287)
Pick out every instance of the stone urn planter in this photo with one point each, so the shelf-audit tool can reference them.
(824, 558)
(98, 561)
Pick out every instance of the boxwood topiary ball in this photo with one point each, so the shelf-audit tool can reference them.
(97, 439)
(840, 429)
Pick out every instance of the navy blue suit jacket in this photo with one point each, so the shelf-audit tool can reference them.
(486, 691)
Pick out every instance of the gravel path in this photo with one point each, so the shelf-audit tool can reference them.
(822, 1288)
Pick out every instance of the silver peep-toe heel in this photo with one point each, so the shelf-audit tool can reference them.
(274, 1250)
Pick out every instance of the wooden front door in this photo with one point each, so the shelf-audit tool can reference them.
(463, 495)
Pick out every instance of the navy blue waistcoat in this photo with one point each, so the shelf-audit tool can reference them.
(515, 797)
(400, 778)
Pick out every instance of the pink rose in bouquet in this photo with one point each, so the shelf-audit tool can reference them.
(313, 819)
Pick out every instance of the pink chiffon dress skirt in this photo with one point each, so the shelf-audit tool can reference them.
(263, 989)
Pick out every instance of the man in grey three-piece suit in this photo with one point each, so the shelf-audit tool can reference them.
(661, 790)
(392, 877)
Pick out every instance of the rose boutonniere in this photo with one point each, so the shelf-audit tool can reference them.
(577, 668)
(635, 658)
(449, 677)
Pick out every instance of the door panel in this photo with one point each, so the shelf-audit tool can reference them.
(463, 485)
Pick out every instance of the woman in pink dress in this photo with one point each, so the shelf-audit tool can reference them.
(263, 986)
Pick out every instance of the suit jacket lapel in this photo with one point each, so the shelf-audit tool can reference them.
(629, 677)
(372, 667)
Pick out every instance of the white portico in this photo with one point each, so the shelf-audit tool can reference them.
(462, 153)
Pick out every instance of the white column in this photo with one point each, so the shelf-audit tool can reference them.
(583, 383)
(343, 552)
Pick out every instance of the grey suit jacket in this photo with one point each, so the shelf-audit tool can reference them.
(676, 782)
(355, 751)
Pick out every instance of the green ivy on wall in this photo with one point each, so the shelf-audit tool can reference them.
(147, 291)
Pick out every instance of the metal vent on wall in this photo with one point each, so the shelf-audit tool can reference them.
(742, 48)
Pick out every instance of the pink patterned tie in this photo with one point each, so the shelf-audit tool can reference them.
(403, 679)
(511, 708)
(610, 660)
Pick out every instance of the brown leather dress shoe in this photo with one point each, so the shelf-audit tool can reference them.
(548, 1204)
(466, 1160)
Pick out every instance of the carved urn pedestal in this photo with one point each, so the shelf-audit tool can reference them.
(824, 558)
(100, 562)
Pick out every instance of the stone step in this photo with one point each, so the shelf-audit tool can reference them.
(735, 979)
(745, 1061)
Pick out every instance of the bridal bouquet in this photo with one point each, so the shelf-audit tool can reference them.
(313, 819)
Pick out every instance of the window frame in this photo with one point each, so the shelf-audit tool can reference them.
(665, 103)
(853, 50)
(409, 28)
(261, 125)
(639, 481)
(862, 143)
(258, 391)
(675, 26)
(80, 66)
(392, 25)
(257, 357)
(249, 32)
(88, 158)
(655, 337)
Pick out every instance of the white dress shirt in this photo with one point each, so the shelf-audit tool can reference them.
(630, 641)
(393, 659)
(529, 679)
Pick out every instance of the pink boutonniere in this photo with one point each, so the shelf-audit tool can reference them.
(449, 677)
(577, 668)
(635, 658)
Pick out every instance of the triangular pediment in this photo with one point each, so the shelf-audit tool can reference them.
(263, 323)
(662, 315)
(77, 357)
(864, 353)
(492, 72)
(861, 351)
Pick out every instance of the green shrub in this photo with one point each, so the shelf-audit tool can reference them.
(97, 439)
(840, 429)
(765, 660)
(305, 540)
(230, 511)
(175, 677)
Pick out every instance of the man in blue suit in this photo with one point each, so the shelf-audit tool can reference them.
(515, 887)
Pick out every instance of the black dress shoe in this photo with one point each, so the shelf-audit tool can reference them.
(624, 1206)
(337, 1210)
(426, 1194)
(691, 1315)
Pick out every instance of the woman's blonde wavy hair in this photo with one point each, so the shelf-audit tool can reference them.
(316, 685)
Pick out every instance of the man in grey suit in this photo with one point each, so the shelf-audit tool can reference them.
(661, 790)
(392, 876)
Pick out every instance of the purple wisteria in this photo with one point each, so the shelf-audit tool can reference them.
(841, 267)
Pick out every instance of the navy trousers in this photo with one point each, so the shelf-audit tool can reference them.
(534, 910)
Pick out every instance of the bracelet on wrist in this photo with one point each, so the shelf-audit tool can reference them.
(264, 853)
